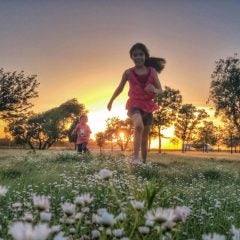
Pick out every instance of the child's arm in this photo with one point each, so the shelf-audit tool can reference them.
(118, 89)
(74, 130)
(157, 89)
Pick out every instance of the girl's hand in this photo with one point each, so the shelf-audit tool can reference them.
(150, 88)
(109, 106)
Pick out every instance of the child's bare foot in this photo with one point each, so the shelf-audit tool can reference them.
(136, 163)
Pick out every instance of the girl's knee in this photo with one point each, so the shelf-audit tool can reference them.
(139, 127)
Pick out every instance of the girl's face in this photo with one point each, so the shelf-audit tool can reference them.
(83, 119)
(138, 57)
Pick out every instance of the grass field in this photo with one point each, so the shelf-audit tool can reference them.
(206, 184)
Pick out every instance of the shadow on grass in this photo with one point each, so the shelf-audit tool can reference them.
(10, 174)
(67, 157)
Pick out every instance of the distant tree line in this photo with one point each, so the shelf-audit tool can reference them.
(42, 130)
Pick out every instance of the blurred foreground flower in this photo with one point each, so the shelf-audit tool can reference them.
(236, 233)
(25, 231)
(105, 218)
(41, 203)
(213, 236)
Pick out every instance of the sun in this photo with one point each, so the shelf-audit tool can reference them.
(97, 119)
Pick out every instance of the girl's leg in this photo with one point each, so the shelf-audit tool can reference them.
(144, 144)
(79, 148)
(137, 137)
(85, 147)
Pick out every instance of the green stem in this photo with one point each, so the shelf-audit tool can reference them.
(135, 224)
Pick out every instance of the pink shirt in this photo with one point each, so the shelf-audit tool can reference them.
(138, 97)
(83, 133)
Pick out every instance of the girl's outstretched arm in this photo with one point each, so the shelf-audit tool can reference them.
(119, 89)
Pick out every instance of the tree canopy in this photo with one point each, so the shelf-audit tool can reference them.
(16, 91)
(225, 89)
(187, 121)
(42, 130)
(169, 103)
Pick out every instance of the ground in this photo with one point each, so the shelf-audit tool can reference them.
(206, 183)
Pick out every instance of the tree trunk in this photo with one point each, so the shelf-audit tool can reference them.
(149, 142)
(30, 144)
(159, 141)
(183, 146)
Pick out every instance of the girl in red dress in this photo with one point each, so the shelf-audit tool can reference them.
(83, 134)
(144, 86)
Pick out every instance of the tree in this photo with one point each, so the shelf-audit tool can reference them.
(119, 130)
(16, 91)
(44, 129)
(187, 121)
(206, 134)
(219, 135)
(225, 89)
(175, 142)
(230, 135)
(169, 103)
(100, 140)
(153, 133)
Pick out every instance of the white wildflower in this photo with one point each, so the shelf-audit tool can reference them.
(17, 205)
(28, 217)
(55, 228)
(70, 221)
(87, 198)
(213, 236)
(160, 214)
(3, 191)
(121, 217)
(45, 216)
(109, 232)
(79, 216)
(25, 231)
(181, 213)
(236, 233)
(137, 205)
(95, 234)
(85, 210)
(100, 211)
(149, 223)
(168, 225)
(106, 219)
(60, 236)
(68, 208)
(72, 230)
(41, 203)
(79, 201)
(117, 232)
(105, 174)
(144, 230)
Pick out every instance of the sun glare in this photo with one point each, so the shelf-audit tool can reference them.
(97, 119)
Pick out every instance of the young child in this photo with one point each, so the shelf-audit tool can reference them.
(83, 134)
(144, 86)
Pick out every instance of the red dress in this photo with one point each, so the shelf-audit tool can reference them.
(83, 133)
(138, 97)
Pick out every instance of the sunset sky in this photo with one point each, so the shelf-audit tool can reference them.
(79, 49)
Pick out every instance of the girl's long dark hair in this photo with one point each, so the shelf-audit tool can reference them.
(157, 63)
